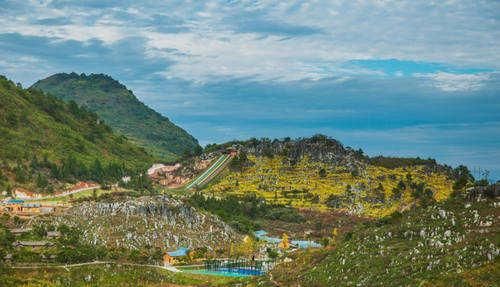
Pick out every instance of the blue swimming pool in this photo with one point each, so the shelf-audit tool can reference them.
(233, 272)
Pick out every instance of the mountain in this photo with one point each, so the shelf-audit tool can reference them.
(122, 111)
(44, 138)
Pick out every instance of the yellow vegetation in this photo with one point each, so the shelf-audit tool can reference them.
(303, 186)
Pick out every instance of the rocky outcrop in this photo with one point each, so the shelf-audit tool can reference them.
(147, 222)
(317, 148)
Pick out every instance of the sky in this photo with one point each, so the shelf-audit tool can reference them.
(402, 78)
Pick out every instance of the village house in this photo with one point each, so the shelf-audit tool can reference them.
(19, 231)
(21, 208)
(22, 193)
(32, 244)
(168, 260)
(53, 234)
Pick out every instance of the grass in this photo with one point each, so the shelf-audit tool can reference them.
(108, 275)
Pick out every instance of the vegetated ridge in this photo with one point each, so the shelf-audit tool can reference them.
(45, 141)
(122, 111)
(319, 172)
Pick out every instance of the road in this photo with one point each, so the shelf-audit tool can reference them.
(66, 266)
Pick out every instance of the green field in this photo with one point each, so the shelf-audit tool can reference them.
(109, 275)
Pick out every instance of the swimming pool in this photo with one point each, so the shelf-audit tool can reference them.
(233, 272)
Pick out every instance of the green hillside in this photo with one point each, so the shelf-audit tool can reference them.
(320, 173)
(454, 243)
(122, 111)
(43, 139)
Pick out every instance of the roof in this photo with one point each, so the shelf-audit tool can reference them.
(14, 201)
(53, 233)
(32, 243)
(305, 243)
(260, 233)
(182, 251)
(20, 230)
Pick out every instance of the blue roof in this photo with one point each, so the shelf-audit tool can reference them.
(260, 233)
(182, 251)
(305, 243)
(13, 200)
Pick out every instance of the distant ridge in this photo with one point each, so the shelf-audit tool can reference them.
(121, 110)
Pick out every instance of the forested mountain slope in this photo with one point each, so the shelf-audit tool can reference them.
(44, 138)
(122, 111)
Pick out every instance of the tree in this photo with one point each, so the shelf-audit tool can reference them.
(379, 193)
(322, 173)
(285, 243)
(462, 178)
(272, 253)
(20, 173)
(41, 181)
(97, 171)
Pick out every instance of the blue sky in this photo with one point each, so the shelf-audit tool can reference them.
(408, 78)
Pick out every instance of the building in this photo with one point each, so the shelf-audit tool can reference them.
(53, 234)
(232, 151)
(19, 231)
(21, 208)
(168, 260)
(22, 193)
(32, 244)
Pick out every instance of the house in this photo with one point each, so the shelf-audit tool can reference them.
(32, 244)
(19, 231)
(168, 260)
(154, 168)
(53, 234)
(232, 151)
(19, 207)
(22, 193)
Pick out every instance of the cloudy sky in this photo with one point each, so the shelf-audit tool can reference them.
(412, 78)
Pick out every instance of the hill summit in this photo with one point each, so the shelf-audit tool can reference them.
(122, 111)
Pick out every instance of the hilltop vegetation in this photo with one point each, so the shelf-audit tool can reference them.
(45, 141)
(453, 243)
(122, 111)
(320, 173)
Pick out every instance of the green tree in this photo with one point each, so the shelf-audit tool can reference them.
(462, 178)
(322, 173)
(41, 181)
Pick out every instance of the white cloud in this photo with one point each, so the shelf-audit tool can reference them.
(213, 43)
(449, 82)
